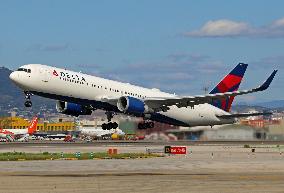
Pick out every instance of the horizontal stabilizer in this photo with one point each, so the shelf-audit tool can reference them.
(243, 115)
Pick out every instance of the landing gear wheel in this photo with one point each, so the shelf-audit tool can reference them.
(104, 126)
(114, 125)
(28, 104)
(141, 126)
(108, 126)
(146, 125)
(151, 125)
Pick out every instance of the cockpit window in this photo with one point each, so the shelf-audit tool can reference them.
(25, 70)
(22, 69)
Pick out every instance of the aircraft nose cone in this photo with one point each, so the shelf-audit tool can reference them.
(13, 76)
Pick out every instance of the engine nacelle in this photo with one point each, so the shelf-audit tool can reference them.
(72, 109)
(132, 105)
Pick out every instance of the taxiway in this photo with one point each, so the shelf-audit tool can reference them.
(211, 167)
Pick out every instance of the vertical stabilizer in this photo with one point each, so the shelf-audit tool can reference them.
(229, 83)
(32, 128)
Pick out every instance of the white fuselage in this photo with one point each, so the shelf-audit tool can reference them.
(14, 132)
(18, 131)
(99, 132)
(63, 85)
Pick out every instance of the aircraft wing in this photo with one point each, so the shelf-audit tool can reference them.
(162, 104)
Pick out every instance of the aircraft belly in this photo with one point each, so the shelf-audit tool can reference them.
(200, 115)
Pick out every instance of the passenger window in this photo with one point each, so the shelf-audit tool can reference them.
(29, 70)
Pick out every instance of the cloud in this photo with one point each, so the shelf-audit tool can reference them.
(220, 28)
(278, 23)
(231, 29)
(49, 47)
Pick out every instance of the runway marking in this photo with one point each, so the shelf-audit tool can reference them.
(114, 174)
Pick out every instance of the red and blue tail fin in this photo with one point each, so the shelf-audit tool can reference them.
(230, 83)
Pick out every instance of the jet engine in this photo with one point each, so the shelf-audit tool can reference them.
(132, 105)
(72, 109)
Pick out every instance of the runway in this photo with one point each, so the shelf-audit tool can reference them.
(144, 142)
(207, 167)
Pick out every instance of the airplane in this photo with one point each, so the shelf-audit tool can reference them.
(80, 94)
(20, 133)
(99, 132)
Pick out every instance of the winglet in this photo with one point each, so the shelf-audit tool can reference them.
(267, 83)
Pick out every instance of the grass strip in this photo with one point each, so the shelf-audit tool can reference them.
(21, 156)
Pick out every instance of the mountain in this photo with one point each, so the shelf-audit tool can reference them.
(247, 108)
(277, 105)
(272, 104)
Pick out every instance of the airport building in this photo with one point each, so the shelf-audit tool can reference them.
(57, 124)
(21, 123)
(276, 131)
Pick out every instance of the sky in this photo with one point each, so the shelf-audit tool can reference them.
(177, 46)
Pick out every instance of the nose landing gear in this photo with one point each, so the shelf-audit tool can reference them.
(28, 102)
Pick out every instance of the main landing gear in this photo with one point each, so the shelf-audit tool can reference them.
(146, 125)
(28, 102)
(109, 125)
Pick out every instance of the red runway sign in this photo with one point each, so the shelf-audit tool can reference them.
(175, 149)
